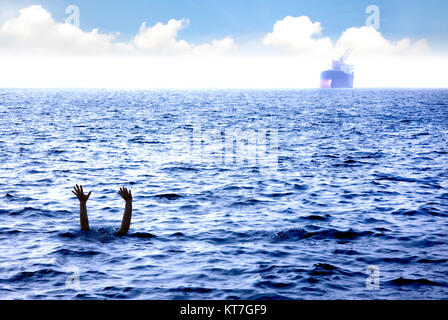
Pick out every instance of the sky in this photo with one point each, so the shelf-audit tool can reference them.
(220, 44)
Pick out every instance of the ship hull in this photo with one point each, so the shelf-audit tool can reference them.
(336, 79)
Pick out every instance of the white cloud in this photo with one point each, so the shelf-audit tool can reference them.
(298, 35)
(224, 45)
(161, 37)
(301, 36)
(368, 41)
(37, 31)
(72, 57)
(379, 62)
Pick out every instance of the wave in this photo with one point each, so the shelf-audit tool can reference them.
(424, 210)
(77, 253)
(192, 289)
(413, 282)
(11, 198)
(348, 252)
(169, 196)
(315, 217)
(325, 269)
(432, 260)
(395, 178)
(142, 235)
(275, 285)
(8, 231)
(268, 296)
(103, 235)
(34, 212)
(331, 234)
(248, 202)
(35, 275)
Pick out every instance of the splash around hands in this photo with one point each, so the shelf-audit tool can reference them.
(79, 193)
(125, 193)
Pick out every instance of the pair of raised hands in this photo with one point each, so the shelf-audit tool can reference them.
(79, 193)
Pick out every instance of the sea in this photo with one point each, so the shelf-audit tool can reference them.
(237, 194)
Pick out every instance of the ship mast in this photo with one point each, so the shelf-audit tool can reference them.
(346, 54)
(337, 64)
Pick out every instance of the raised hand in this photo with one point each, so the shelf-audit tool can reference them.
(84, 220)
(79, 193)
(126, 220)
(125, 194)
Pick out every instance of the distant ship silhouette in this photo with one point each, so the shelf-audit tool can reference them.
(340, 76)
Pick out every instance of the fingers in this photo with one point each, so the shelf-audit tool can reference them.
(125, 193)
(78, 189)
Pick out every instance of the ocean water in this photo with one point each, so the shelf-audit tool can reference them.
(351, 203)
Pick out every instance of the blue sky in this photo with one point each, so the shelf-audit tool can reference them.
(233, 43)
(247, 19)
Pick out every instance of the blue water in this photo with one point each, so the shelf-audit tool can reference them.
(362, 180)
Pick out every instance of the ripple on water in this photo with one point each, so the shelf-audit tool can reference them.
(325, 234)
(360, 181)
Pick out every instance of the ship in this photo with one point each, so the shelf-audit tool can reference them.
(340, 75)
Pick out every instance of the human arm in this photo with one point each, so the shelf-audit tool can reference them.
(83, 218)
(126, 221)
